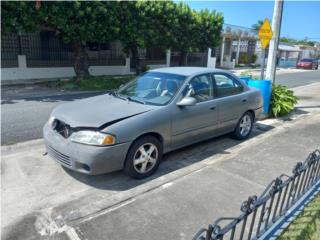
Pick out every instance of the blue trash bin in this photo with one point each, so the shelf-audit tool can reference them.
(245, 79)
(265, 88)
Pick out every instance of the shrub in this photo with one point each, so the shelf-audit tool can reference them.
(243, 58)
(282, 101)
(145, 68)
(254, 58)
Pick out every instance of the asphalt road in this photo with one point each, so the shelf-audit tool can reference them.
(297, 79)
(23, 116)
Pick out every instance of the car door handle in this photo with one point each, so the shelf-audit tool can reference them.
(244, 100)
(213, 108)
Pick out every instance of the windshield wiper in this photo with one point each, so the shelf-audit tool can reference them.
(136, 100)
(115, 94)
(127, 98)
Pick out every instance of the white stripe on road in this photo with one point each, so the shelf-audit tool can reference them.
(72, 234)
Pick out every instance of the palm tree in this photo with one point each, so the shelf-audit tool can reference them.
(257, 25)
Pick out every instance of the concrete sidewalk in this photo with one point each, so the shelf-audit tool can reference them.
(211, 181)
(180, 208)
(257, 71)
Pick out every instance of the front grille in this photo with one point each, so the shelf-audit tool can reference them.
(62, 158)
(62, 128)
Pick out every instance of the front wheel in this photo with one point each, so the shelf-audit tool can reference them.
(143, 157)
(244, 126)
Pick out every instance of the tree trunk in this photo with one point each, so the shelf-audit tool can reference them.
(183, 58)
(136, 59)
(81, 62)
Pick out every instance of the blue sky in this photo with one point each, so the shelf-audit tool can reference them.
(300, 18)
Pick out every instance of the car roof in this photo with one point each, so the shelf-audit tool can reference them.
(186, 71)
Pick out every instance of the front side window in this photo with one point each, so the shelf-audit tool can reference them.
(226, 85)
(200, 88)
(153, 88)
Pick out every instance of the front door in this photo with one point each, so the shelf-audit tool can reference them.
(194, 123)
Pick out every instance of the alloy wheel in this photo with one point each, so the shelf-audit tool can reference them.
(145, 158)
(245, 125)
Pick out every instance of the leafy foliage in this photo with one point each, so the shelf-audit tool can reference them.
(91, 83)
(195, 30)
(257, 25)
(282, 100)
(305, 41)
(137, 24)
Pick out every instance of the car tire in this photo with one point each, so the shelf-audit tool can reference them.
(143, 157)
(244, 126)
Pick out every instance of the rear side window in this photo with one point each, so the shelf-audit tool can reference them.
(307, 60)
(200, 88)
(226, 85)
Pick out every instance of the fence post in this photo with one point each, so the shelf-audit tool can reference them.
(211, 62)
(168, 57)
(22, 61)
(127, 66)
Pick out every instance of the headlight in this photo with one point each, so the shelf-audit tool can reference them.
(50, 121)
(93, 138)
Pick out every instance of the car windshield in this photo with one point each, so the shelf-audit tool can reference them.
(152, 88)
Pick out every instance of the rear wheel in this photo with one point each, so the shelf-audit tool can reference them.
(244, 126)
(143, 157)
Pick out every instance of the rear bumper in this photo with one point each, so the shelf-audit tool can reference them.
(83, 158)
(305, 67)
(259, 114)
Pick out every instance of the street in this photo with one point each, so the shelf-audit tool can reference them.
(192, 187)
(23, 116)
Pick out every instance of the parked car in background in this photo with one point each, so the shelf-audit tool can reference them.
(160, 111)
(308, 63)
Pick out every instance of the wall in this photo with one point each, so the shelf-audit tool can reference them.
(22, 72)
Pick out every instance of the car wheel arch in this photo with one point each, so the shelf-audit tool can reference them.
(252, 112)
(158, 136)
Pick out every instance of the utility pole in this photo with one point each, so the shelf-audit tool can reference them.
(274, 43)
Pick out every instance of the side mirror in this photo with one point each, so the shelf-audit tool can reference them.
(187, 101)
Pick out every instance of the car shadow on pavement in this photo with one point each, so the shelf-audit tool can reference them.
(171, 162)
(296, 112)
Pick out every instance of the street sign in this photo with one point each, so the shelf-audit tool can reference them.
(265, 33)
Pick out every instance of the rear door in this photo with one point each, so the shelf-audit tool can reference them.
(193, 123)
(232, 101)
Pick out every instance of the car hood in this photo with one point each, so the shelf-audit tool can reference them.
(99, 111)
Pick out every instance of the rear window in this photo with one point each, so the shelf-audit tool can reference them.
(306, 60)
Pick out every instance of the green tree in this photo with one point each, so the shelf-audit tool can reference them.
(257, 25)
(184, 31)
(208, 29)
(194, 30)
(145, 24)
(77, 22)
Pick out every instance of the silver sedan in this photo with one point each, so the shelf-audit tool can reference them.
(158, 112)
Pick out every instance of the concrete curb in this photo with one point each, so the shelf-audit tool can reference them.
(23, 146)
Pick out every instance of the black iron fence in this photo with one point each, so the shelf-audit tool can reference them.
(46, 49)
(259, 214)
(197, 59)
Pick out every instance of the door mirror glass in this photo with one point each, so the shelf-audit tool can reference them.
(187, 101)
